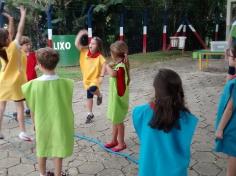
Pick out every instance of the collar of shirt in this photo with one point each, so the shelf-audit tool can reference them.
(95, 55)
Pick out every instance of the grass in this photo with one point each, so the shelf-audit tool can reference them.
(136, 60)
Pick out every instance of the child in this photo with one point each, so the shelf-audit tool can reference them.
(13, 72)
(92, 68)
(50, 100)
(226, 116)
(165, 128)
(118, 94)
(26, 46)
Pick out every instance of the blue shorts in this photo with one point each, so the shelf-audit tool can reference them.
(91, 91)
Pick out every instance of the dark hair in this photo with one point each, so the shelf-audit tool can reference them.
(169, 100)
(99, 43)
(4, 35)
(233, 46)
(47, 57)
(84, 40)
(120, 50)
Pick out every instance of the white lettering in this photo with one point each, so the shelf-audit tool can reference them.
(62, 45)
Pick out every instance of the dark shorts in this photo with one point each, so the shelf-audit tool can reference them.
(91, 91)
(19, 100)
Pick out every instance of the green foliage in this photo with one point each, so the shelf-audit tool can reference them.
(69, 16)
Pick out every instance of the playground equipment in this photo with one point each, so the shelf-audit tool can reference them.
(121, 26)
(184, 23)
(145, 31)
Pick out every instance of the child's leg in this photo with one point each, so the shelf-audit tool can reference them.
(2, 109)
(58, 166)
(20, 118)
(114, 133)
(42, 165)
(95, 91)
(121, 135)
(20, 114)
(114, 141)
(231, 167)
(90, 105)
(121, 142)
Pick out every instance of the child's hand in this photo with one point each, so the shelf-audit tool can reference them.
(219, 134)
(22, 10)
(36, 68)
(8, 16)
(100, 79)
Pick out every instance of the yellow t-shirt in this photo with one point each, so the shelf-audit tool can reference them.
(90, 68)
(13, 74)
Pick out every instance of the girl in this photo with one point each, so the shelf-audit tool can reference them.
(118, 94)
(165, 128)
(226, 116)
(92, 68)
(13, 71)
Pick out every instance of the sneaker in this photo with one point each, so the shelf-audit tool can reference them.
(99, 100)
(49, 173)
(1, 136)
(27, 111)
(89, 118)
(25, 137)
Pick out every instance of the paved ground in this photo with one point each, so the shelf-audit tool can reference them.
(202, 91)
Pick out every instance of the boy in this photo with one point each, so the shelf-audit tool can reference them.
(50, 100)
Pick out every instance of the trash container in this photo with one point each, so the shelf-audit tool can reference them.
(181, 42)
(174, 42)
(65, 45)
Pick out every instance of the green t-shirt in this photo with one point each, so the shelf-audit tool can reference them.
(51, 103)
(117, 105)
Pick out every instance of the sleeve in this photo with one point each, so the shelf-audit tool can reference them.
(120, 81)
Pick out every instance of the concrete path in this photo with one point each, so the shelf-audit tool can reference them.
(202, 91)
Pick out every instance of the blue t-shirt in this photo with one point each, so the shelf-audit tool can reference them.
(162, 153)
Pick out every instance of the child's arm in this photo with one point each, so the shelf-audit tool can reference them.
(102, 72)
(224, 120)
(21, 24)
(10, 25)
(78, 38)
(110, 71)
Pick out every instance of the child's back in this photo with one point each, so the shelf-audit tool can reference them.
(50, 99)
(163, 153)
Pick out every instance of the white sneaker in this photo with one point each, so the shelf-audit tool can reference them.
(25, 137)
(1, 135)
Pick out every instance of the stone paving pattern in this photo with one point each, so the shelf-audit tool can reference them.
(202, 89)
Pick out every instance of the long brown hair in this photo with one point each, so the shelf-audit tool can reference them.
(119, 49)
(169, 100)
(4, 35)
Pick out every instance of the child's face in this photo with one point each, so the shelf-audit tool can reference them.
(26, 47)
(93, 48)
